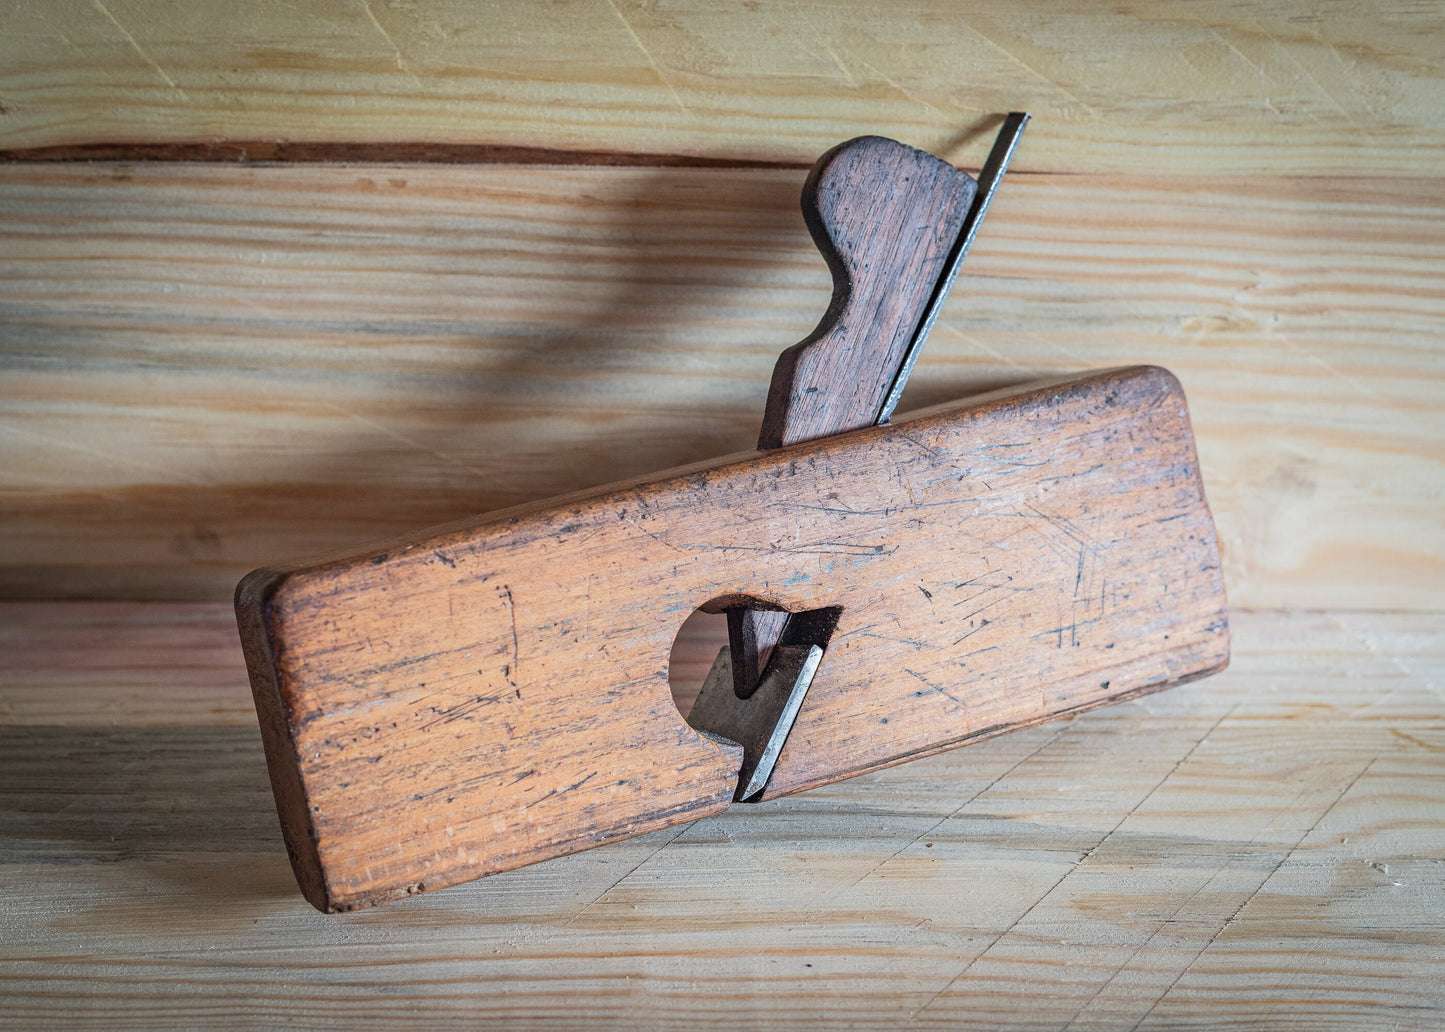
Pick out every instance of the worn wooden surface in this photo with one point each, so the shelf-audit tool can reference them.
(1265, 848)
(491, 694)
(1211, 88)
(885, 218)
(203, 368)
(207, 368)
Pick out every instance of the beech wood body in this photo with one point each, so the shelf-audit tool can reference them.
(495, 693)
(885, 217)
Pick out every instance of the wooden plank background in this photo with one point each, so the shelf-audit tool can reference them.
(207, 367)
(1196, 88)
(428, 260)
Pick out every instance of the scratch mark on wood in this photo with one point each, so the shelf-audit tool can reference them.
(647, 54)
(514, 673)
(663, 541)
(139, 49)
(937, 688)
(1258, 889)
(960, 808)
(628, 874)
(1077, 864)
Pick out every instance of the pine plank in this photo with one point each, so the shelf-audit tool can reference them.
(1212, 88)
(205, 368)
(1264, 847)
(112, 664)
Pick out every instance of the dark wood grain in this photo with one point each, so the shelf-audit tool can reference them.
(885, 216)
(752, 633)
(351, 152)
(494, 693)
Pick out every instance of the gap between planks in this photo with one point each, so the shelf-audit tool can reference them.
(418, 153)
(207, 366)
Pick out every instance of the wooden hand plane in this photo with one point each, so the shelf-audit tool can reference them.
(492, 693)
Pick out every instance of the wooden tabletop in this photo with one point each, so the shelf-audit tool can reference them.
(280, 281)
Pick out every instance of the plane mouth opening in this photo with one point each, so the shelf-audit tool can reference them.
(752, 686)
(694, 650)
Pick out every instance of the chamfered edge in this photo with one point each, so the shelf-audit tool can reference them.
(253, 601)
